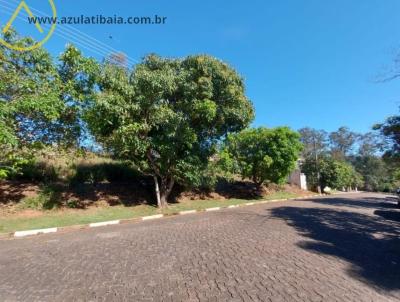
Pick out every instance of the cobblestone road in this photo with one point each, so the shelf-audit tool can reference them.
(344, 248)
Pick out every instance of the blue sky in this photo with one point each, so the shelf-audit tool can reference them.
(305, 62)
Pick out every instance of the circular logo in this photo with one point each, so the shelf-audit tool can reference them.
(37, 44)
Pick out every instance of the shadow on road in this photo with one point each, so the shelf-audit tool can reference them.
(384, 202)
(370, 243)
(389, 215)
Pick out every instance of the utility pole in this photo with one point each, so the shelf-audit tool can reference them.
(317, 167)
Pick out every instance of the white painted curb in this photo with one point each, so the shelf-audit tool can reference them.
(114, 222)
(34, 232)
(213, 209)
(100, 224)
(153, 217)
(187, 212)
(276, 200)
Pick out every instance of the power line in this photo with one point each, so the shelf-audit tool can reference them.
(82, 44)
(75, 40)
(76, 31)
(76, 35)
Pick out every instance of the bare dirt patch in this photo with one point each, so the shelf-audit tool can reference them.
(13, 191)
(87, 196)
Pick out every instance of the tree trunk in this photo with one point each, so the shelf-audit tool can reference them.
(163, 200)
(157, 188)
(163, 190)
(259, 185)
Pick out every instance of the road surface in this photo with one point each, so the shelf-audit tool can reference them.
(342, 248)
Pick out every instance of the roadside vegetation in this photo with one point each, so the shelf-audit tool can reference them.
(67, 217)
(167, 134)
(72, 127)
(346, 160)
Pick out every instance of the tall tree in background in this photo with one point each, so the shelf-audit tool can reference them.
(315, 142)
(346, 147)
(377, 175)
(390, 130)
(369, 143)
(315, 145)
(342, 142)
(368, 162)
(167, 115)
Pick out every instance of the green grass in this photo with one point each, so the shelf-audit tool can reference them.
(56, 218)
(204, 204)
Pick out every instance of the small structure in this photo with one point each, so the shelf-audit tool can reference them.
(298, 179)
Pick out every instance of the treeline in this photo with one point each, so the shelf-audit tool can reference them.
(344, 159)
(177, 121)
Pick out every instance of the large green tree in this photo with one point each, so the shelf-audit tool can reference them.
(38, 99)
(264, 155)
(28, 93)
(167, 115)
(390, 130)
(35, 95)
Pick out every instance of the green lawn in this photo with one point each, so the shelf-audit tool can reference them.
(56, 218)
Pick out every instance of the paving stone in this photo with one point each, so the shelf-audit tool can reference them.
(342, 248)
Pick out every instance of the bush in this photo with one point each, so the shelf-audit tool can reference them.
(112, 172)
(207, 181)
(34, 170)
(335, 174)
(48, 198)
(34, 203)
(11, 164)
(263, 155)
(47, 164)
(73, 204)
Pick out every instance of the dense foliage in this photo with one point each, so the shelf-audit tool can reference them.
(390, 130)
(38, 103)
(167, 115)
(341, 153)
(377, 174)
(335, 174)
(263, 155)
(171, 120)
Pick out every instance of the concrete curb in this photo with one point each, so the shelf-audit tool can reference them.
(34, 232)
(21, 234)
(100, 224)
(187, 212)
(153, 217)
(213, 209)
